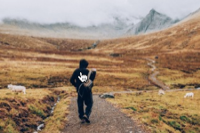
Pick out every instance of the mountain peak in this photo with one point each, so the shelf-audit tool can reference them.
(153, 21)
(153, 12)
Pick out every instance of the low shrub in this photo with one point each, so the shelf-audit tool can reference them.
(134, 109)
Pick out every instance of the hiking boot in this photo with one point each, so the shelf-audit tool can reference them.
(82, 120)
(86, 119)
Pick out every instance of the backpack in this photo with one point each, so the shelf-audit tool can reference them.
(89, 83)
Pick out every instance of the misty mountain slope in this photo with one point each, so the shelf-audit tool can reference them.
(152, 22)
(193, 15)
(110, 30)
(118, 28)
(183, 36)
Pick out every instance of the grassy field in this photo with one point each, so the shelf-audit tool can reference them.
(48, 68)
(180, 70)
(23, 113)
(168, 113)
(39, 69)
(34, 69)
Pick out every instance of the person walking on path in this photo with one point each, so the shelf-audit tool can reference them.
(80, 76)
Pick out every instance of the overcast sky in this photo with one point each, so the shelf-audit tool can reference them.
(92, 12)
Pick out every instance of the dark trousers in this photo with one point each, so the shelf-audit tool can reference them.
(88, 100)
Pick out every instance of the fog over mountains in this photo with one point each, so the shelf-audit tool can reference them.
(91, 18)
(153, 21)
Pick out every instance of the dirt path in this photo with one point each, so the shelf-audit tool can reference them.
(104, 119)
(153, 78)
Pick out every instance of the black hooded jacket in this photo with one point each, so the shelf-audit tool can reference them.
(75, 81)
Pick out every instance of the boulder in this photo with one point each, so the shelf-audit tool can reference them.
(107, 95)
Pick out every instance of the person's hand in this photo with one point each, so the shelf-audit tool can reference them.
(94, 69)
(83, 78)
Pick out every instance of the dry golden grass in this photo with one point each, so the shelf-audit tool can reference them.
(32, 74)
(30, 93)
(27, 111)
(21, 112)
(36, 69)
(58, 120)
(39, 69)
(43, 44)
(167, 113)
(177, 79)
(187, 62)
(24, 42)
(180, 69)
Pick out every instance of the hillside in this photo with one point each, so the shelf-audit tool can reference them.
(42, 44)
(181, 37)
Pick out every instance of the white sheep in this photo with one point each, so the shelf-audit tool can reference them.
(191, 94)
(17, 88)
(161, 92)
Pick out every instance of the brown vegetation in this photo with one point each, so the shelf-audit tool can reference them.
(167, 113)
(49, 62)
(23, 113)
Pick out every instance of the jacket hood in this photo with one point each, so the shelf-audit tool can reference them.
(83, 63)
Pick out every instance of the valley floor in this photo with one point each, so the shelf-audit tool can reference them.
(49, 63)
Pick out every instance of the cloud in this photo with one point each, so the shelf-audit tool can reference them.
(92, 12)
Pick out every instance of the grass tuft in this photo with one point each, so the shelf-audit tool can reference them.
(131, 108)
(37, 111)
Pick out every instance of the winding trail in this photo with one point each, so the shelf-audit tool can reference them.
(105, 118)
(152, 77)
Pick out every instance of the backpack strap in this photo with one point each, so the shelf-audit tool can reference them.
(79, 90)
(89, 74)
